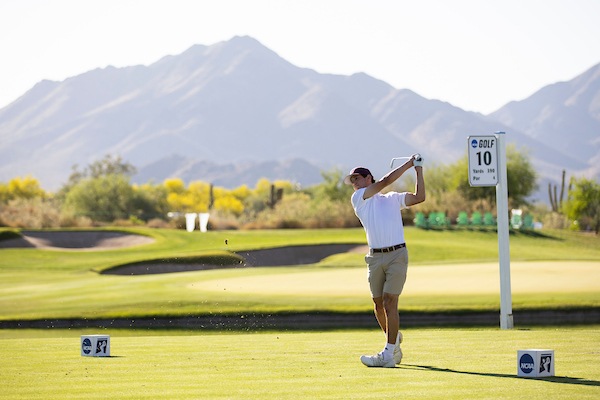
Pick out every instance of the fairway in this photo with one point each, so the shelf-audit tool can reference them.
(438, 364)
(449, 272)
(454, 279)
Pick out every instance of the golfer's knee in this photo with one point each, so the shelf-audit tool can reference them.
(390, 302)
(378, 303)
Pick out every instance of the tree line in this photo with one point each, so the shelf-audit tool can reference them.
(102, 193)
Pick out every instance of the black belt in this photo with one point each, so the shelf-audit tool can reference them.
(388, 249)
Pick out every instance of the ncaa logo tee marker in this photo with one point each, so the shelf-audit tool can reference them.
(95, 345)
(535, 363)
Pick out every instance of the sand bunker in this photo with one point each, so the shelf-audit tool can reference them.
(280, 256)
(75, 240)
(296, 255)
(102, 240)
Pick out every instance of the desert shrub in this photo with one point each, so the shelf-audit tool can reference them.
(158, 223)
(288, 213)
(21, 188)
(549, 219)
(223, 220)
(106, 198)
(332, 214)
(131, 221)
(451, 203)
(30, 213)
(70, 220)
(176, 220)
(298, 210)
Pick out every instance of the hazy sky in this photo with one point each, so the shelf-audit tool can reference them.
(475, 54)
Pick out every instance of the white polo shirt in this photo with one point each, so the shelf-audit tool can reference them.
(381, 217)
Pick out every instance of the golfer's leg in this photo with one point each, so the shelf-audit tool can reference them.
(392, 318)
(380, 313)
(394, 284)
(376, 284)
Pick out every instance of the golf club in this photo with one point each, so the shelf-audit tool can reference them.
(401, 158)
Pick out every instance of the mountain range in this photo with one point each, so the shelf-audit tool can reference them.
(234, 112)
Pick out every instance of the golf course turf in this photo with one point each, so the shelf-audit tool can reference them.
(437, 364)
(284, 331)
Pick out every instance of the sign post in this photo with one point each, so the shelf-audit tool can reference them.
(487, 167)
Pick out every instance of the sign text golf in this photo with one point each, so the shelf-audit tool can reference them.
(483, 160)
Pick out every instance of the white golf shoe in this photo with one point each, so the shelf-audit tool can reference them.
(398, 350)
(378, 361)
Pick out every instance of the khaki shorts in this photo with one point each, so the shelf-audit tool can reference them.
(387, 271)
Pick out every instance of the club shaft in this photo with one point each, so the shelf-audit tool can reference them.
(398, 158)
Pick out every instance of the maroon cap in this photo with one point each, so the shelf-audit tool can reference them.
(362, 171)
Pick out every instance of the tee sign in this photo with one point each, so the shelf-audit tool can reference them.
(483, 160)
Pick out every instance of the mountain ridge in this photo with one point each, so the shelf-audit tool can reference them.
(236, 112)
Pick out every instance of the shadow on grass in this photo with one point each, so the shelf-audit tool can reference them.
(555, 379)
(535, 234)
(494, 230)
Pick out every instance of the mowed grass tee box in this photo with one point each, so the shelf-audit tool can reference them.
(437, 364)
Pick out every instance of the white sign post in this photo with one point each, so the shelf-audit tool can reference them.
(487, 167)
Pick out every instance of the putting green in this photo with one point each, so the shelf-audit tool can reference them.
(453, 279)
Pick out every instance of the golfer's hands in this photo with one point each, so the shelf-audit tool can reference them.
(417, 160)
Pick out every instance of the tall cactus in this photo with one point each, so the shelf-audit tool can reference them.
(276, 195)
(555, 202)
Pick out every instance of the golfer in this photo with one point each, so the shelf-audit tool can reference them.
(387, 260)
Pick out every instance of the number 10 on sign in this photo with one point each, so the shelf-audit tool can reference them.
(483, 160)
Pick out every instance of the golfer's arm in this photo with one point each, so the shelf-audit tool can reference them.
(419, 195)
(387, 179)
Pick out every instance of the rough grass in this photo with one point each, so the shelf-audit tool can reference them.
(6, 234)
